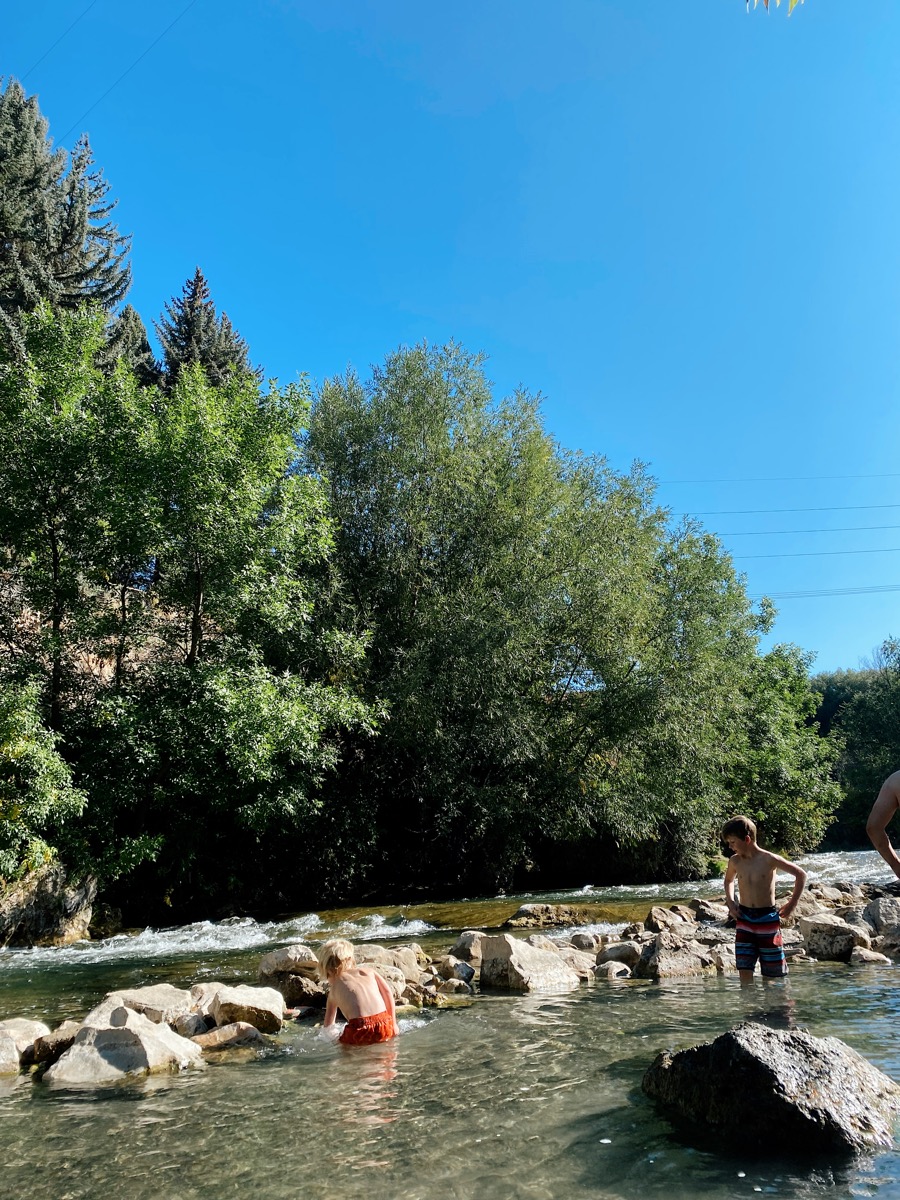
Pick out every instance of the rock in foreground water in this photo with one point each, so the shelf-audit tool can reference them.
(776, 1089)
(120, 1042)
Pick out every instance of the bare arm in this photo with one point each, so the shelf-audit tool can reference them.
(331, 1009)
(876, 826)
(387, 996)
(799, 884)
(730, 877)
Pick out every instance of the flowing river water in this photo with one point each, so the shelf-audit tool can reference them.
(511, 1098)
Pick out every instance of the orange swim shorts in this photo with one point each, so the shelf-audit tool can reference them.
(365, 1031)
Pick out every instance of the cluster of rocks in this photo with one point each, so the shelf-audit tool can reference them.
(844, 923)
(143, 1031)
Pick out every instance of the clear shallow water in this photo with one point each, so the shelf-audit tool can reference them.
(535, 1098)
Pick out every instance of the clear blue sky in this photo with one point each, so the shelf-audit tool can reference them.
(677, 221)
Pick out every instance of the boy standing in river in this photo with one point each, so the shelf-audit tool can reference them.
(758, 933)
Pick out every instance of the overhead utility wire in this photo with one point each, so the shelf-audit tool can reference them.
(833, 529)
(812, 593)
(739, 512)
(784, 478)
(58, 40)
(139, 58)
(818, 553)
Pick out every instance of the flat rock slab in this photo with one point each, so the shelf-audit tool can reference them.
(160, 1002)
(530, 916)
(778, 1090)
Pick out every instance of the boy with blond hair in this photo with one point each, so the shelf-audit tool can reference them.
(758, 919)
(360, 993)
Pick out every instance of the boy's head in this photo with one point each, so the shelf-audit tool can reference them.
(335, 956)
(740, 829)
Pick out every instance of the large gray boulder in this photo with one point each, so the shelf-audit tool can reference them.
(510, 964)
(774, 1089)
(884, 914)
(203, 994)
(669, 956)
(262, 1007)
(45, 908)
(830, 938)
(119, 1042)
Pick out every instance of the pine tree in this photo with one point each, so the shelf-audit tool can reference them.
(126, 338)
(57, 239)
(190, 331)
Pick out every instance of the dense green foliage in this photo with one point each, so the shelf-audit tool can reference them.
(260, 649)
(559, 665)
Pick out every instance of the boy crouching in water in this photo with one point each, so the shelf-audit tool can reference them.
(758, 933)
(360, 993)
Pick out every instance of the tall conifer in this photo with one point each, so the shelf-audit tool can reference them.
(58, 241)
(191, 331)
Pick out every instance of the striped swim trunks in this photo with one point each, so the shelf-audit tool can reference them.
(758, 936)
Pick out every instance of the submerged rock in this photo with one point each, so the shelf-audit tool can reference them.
(776, 1089)
(531, 916)
(514, 966)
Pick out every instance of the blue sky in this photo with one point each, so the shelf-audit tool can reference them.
(677, 221)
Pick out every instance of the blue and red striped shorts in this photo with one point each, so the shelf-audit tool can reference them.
(758, 936)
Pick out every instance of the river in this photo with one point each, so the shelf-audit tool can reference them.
(512, 1098)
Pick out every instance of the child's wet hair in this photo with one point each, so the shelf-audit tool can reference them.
(335, 956)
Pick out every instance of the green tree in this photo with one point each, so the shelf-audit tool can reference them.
(193, 334)
(36, 792)
(58, 241)
(127, 342)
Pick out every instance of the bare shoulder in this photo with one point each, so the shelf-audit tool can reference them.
(778, 863)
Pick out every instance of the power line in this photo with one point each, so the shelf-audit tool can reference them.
(127, 70)
(833, 529)
(740, 512)
(807, 595)
(782, 478)
(817, 553)
(58, 40)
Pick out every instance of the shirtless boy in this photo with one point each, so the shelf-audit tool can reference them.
(360, 993)
(883, 809)
(758, 933)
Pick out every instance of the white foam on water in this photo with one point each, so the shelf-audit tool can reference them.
(378, 928)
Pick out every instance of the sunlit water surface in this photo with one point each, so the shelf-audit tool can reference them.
(534, 1097)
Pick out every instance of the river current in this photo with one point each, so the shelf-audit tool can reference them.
(511, 1098)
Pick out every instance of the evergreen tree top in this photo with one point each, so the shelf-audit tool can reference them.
(58, 241)
(191, 332)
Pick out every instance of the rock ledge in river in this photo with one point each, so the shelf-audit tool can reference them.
(775, 1089)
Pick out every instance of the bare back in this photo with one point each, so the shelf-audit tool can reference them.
(358, 992)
